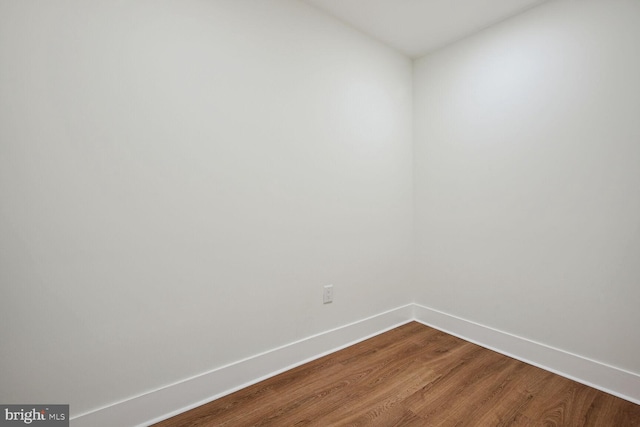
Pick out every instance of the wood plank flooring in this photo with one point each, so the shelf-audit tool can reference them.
(414, 376)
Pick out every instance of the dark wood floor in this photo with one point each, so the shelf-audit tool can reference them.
(414, 376)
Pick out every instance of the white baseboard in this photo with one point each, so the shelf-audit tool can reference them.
(609, 379)
(163, 403)
(168, 401)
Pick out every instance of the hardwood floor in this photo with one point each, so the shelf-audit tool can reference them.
(414, 376)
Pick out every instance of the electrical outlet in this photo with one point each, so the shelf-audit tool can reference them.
(327, 295)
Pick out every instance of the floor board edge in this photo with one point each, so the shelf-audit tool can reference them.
(176, 398)
(610, 379)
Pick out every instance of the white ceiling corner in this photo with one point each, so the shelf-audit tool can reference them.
(417, 27)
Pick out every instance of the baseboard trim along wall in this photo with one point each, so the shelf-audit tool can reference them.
(171, 400)
(190, 393)
(609, 379)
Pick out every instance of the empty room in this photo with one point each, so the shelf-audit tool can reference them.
(319, 212)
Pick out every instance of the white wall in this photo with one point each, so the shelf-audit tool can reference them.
(527, 155)
(179, 179)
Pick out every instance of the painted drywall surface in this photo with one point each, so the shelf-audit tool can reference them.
(527, 147)
(178, 180)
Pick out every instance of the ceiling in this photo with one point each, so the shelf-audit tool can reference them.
(417, 27)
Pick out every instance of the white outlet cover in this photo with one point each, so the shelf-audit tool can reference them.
(327, 294)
